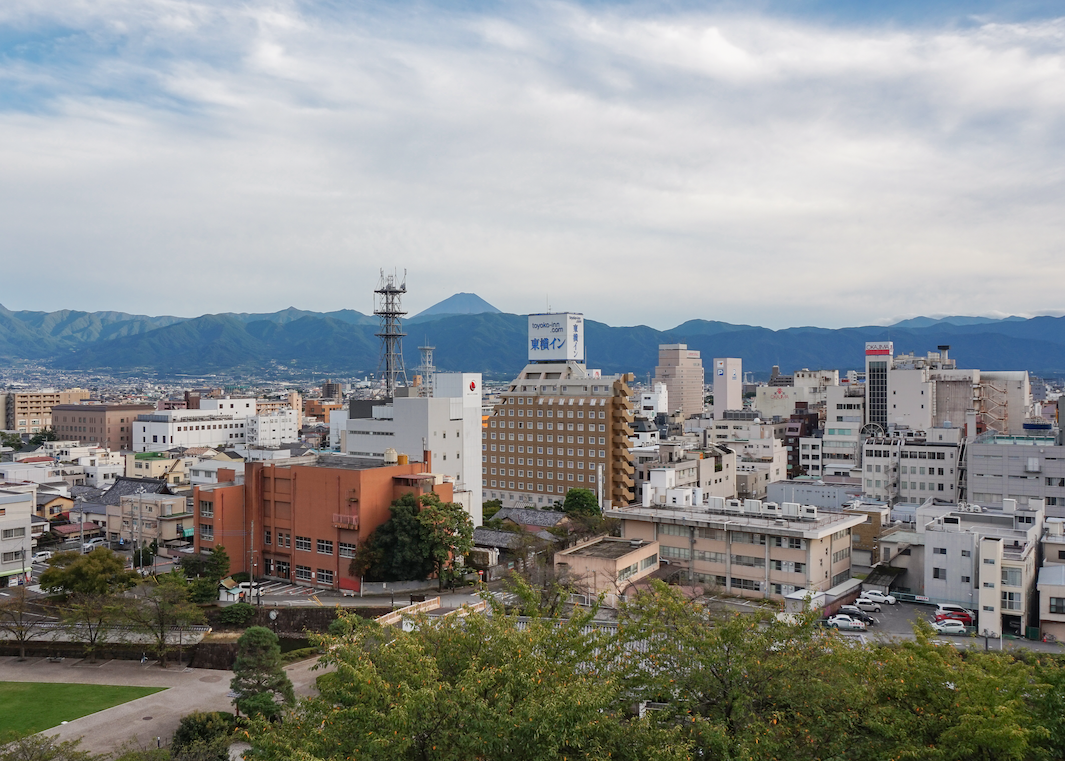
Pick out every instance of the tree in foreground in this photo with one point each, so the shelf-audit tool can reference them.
(467, 688)
(39, 747)
(21, 618)
(259, 679)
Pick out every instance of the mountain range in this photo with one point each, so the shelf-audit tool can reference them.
(470, 334)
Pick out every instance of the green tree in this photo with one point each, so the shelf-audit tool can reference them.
(39, 747)
(91, 618)
(203, 590)
(100, 572)
(399, 549)
(217, 567)
(477, 687)
(489, 508)
(158, 608)
(207, 734)
(12, 440)
(259, 680)
(449, 533)
(23, 619)
(581, 502)
(45, 434)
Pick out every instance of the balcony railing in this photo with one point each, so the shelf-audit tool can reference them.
(345, 521)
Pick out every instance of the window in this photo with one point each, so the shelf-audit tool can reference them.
(1057, 605)
(749, 561)
(347, 550)
(966, 579)
(303, 572)
(939, 550)
(303, 543)
(939, 573)
(325, 547)
(1011, 577)
(207, 532)
(989, 585)
(325, 576)
(989, 561)
(754, 586)
(206, 509)
(966, 553)
(675, 553)
(12, 533)
(839, 555)
(266, 537)
(1011, 600)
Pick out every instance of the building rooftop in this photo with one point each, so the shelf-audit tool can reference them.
(1053, 575)
(825, 521)
(125, 486)
(527, 516)
(608, 547)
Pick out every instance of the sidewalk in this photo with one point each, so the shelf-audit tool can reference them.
(139, 721)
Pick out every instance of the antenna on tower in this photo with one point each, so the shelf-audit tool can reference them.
(389, 307)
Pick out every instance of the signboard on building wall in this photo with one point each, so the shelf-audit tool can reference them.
(879, 348)
(556, 337)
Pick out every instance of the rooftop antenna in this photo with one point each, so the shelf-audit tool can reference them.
(389, 307)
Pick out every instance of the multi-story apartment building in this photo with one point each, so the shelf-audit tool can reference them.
(107, 425)
(171, 468)
(31, 411)
(982, 557)
(680, 369)
(746, 548)
(914, 466)
(841, 445)
(559, 425)
(273, 429)
(303, 523)
(710, 469)
(140, 519)
(320, 409)
(16, 515)
(448, 423)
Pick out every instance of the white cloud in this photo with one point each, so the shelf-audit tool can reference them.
(642, 166)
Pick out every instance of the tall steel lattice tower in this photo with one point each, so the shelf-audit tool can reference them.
(388, 306)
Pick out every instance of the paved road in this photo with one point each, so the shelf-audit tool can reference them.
(139, 721)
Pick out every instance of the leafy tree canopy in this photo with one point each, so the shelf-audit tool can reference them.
(581, 502)
(423, 535)
(100, 572)
(258, 677)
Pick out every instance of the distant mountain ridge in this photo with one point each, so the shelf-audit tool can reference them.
(492, 342)
(460, 303)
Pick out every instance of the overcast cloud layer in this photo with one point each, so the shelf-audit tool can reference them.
(639, 163)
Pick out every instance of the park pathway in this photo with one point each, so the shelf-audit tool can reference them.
(139, 721)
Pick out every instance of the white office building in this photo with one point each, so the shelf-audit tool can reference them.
(448, 424)
(273, 429)
(728, 385)
(166, 429)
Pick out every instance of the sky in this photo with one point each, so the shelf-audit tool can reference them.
(771, 163)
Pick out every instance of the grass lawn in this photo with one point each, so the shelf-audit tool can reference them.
(33, 706)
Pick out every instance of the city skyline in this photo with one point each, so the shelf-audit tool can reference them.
(190, 159)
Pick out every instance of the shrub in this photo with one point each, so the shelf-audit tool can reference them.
(299, 654)
(205, 730)
(203, 590)
(237, 614)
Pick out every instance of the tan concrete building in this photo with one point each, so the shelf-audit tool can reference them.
(31, 411)
(559, 427)
(608, 565)
(106, 425)
(161, 465)
(681, 370)
(750, 549)
(140, 519)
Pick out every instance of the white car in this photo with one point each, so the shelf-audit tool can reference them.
(842, 622)
(41, 557)
(93, 543)
(949, 626)
(880, 597)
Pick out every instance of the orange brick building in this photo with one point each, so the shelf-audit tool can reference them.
(302, 523)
